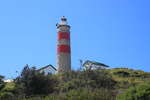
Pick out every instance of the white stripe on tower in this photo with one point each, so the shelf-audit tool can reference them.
(64, 42)
(63, 46)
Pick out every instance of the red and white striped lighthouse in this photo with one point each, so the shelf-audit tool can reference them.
(63, 46)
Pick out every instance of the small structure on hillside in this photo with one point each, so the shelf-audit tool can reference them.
(49, 69)
(92, 65)
(8, 80)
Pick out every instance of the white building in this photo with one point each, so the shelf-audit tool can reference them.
(49, 69)
(8, 80)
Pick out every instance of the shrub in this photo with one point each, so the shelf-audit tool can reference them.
(140, 92)
(80, 94)
(122, 73)
(2, 84)
(7, 96)
(86, 79)
(90, 94)
(31, 82)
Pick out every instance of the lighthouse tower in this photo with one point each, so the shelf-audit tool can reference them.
(63, 46)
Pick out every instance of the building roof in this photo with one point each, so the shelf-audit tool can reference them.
(47, 67)
(8, 80)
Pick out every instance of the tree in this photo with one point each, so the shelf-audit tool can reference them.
(32, 82)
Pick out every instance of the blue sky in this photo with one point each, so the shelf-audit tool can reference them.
(114, 32)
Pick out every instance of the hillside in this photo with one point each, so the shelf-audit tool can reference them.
(128, 77)
(100, 84)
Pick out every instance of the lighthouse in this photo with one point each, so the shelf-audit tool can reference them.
(63, 46)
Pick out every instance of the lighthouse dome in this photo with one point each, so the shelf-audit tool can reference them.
(63, 21)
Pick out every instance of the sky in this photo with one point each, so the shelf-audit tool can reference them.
(113, 32)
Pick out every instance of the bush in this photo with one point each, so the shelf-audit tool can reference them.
(122, 73)
(80, 94)
(86, 79)
(73, 85)
(90, 94)
(31, 82)
(140, 92)
(2, 84)
(7, 96)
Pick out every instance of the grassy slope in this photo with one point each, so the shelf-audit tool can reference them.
(118, 74)
(124, 76)
(128, 77)
(9, 86)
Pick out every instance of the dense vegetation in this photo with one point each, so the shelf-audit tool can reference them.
(140, 92)
(93, 82)
(2, 84)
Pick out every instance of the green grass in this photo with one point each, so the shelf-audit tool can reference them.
(131, 77)
(9, 86)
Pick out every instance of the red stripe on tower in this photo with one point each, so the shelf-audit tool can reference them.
(63, 49)
(63, 35)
